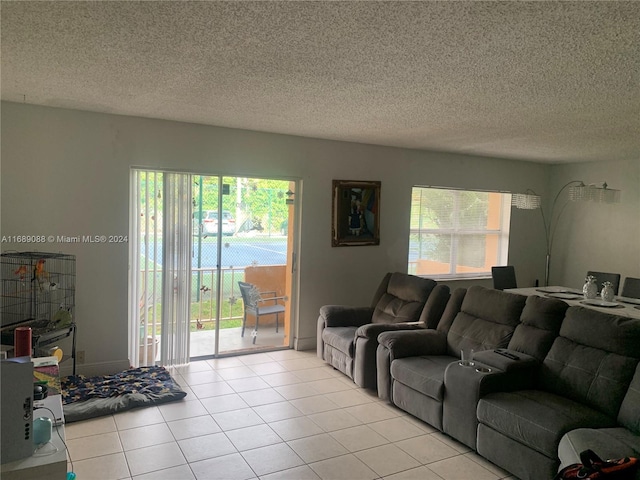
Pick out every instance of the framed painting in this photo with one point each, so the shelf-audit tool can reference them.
(355, 213)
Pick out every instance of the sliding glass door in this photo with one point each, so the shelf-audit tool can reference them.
(238, 230)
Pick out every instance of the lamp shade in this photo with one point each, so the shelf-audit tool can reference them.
(525, 201)
(608, 195)
(593, 193)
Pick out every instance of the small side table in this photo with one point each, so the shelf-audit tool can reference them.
(50, 467)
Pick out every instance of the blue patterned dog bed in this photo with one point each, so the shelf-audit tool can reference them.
(88, 397)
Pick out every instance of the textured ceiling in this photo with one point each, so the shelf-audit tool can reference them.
(541, 81)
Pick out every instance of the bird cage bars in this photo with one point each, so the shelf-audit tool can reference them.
(37, 286)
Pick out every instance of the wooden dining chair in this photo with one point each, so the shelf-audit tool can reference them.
(631, 287)
(259, 304)
(504, 277)
(602, 277)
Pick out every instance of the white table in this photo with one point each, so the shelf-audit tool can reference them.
(43, 467)
(624, 310)
(50, 467)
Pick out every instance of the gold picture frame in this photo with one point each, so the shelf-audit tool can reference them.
(355, 218)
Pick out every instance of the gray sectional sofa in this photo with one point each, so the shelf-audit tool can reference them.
(575, 384)
(347, 335)
(584, 382)
(417, 361)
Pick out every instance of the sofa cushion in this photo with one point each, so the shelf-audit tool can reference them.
(537, 419)
(410, 287)
(340, 338)
(501, 307)
(629, 415)
(487, 320)
(391, 309)
(588, 375)
(423, 374)
(403, 299)
(608, 332)
(539, 326)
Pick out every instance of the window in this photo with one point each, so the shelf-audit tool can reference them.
(458, 233)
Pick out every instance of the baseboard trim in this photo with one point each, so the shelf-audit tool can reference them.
(307, 343)
(94, 369)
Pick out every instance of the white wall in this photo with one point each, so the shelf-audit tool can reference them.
(66, 172)
(600, 237)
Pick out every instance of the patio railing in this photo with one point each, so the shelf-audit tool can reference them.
(203, 301)
(203, 305)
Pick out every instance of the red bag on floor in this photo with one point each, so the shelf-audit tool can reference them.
(593, 467)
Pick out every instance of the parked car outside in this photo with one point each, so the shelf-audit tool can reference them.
(210, 223)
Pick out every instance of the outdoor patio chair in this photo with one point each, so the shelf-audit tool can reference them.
(257, 304)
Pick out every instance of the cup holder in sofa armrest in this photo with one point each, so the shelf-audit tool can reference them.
(465, 386)
(504, 361)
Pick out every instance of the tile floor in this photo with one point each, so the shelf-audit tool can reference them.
(268, 416)
(202, 341)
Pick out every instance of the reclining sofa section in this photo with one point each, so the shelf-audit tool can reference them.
(586, 387)
(532, 338)
(575, 383)
(347, 336)
(415, 362)
(617, 442)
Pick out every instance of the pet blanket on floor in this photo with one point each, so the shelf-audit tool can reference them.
(88, 397)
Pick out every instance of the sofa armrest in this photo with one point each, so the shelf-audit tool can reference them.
(366, 343)
(372, 330)
(505, 364)
(465, 386)
(399, 344)
(345, 316)
(412, 343)
(435, 306)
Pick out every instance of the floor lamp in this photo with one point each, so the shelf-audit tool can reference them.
(578, 192)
